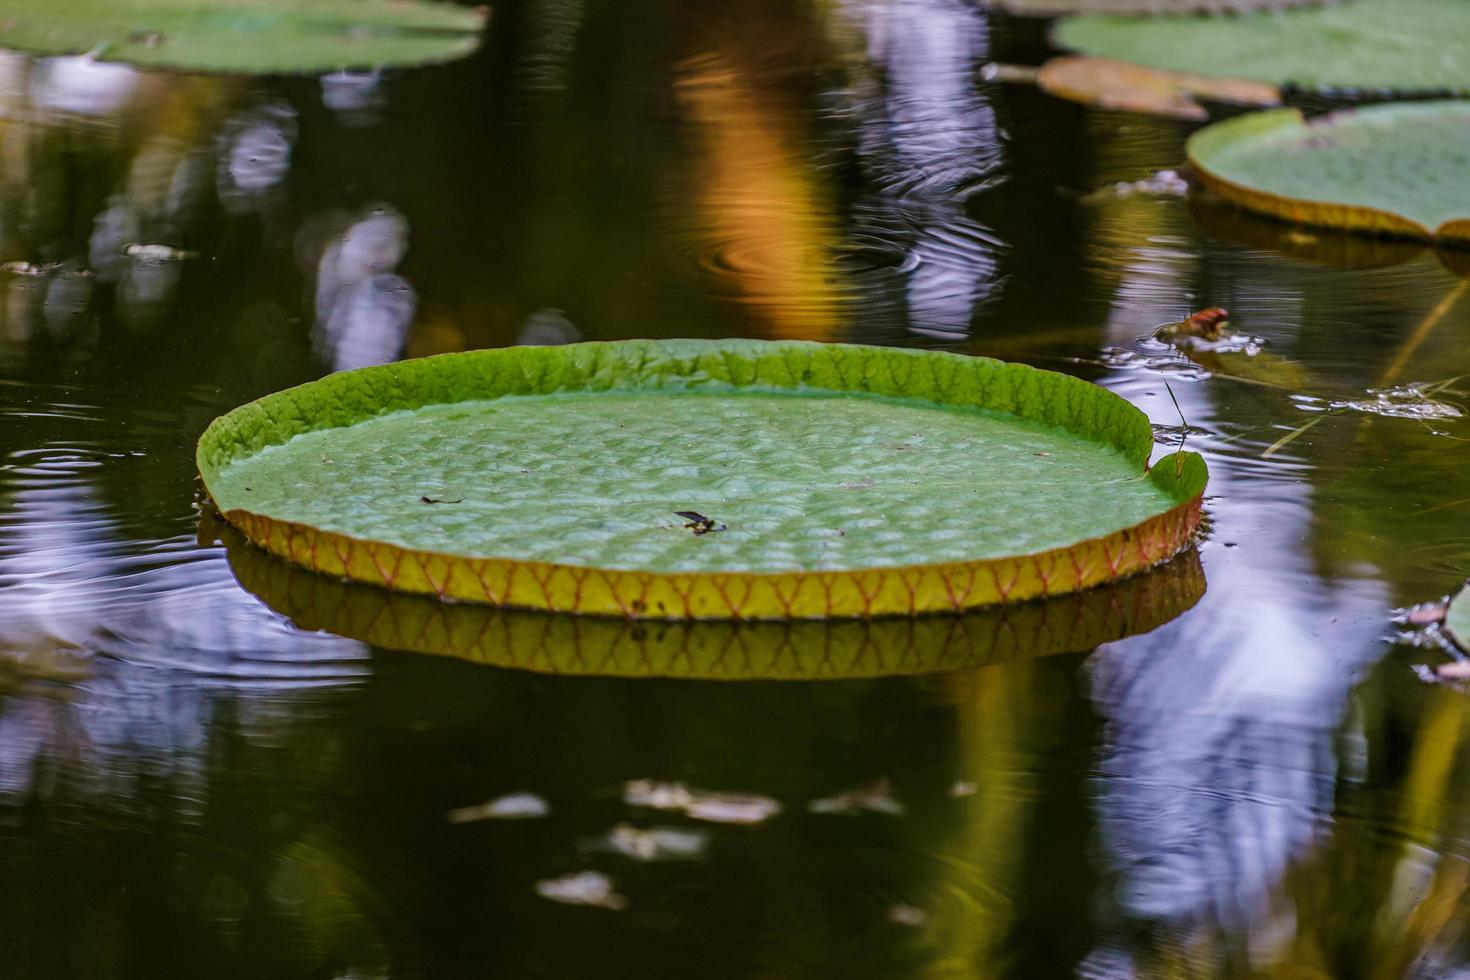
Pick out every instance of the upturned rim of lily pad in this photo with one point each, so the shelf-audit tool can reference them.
(723, 650)
(1082, 409)
(1149, 8)
(1324, 212)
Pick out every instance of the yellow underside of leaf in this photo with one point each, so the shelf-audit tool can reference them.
(1325, 214)
(809, 650)
(904, 591)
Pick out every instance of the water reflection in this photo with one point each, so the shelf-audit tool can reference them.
(363, 308)
(928, 140)
(1260, 785)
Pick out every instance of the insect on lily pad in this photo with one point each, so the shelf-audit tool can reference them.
(1026, 483)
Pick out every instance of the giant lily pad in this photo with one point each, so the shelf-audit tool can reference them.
(1399, 45)
(726, 650)
(1397, 169)
(246, 36)
(699, 479)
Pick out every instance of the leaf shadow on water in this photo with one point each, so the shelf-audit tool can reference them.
(732, 650)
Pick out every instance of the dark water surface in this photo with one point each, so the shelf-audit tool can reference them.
(192, 786)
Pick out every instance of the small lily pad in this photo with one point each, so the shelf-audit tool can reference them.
(245, 36)
(1392, 45)
(574, 468)
(1457, 620)
(1056, 8)
(1395, 169)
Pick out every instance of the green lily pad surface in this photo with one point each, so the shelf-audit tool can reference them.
(733, 478)
(1400, 45)
(245, 36)
(1457, 620)
(1055, 8)
(1394, 168)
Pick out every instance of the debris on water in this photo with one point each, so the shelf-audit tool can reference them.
(23, 268)
(591, 888)
(1211, 323)
(1426, 613)
(997, 71)
(1161, 183)
(1152, 355)
(875, 797)
(907, 915)
(1406, 401)
(436, 500)
(158, 253)
(513, 806)
(963, 788)
(1454, 670)
(698, 523)
(739, 808)
(548, 328)
(653, 843)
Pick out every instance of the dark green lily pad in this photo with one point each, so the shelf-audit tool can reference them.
(689, 479)
(1397, 45)
(245, 36)
(834, 650)
(1396, 169)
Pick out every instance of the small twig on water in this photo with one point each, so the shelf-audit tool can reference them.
(1276, 446)
(1183, 432)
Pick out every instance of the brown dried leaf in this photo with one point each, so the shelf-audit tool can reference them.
(1132, 88)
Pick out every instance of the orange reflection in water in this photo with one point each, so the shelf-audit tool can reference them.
(767, 220)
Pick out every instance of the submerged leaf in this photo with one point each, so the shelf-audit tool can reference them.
(875, 797)
(1400, 45)
(514, 806)
(1397, 168)
(583, 888)
(245, 36)
(738, 808)
(568, 463)
(654, 843)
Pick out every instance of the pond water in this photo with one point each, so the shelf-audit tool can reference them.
(193, 785)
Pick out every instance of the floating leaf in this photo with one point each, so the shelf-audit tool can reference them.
(572, 466)
(1056, 8)
(1397, 45)
(245, 36)
(1457, 620)
(1132, 88)
(1395, 169)
(719, 650)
